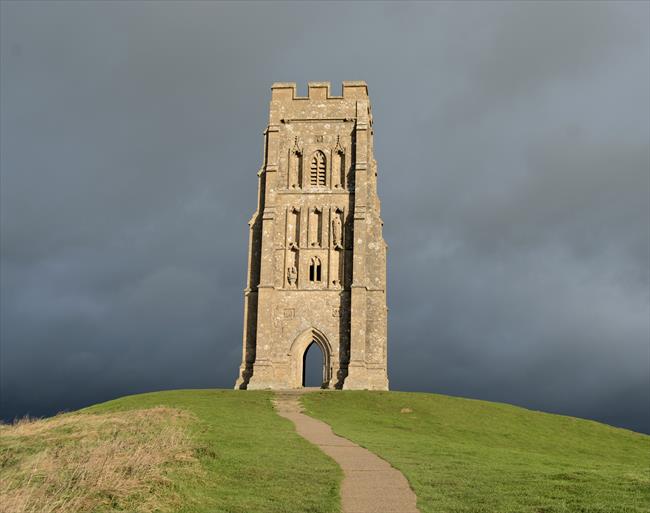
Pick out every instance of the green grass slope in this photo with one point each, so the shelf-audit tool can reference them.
(226, 451)
(253, 459)
(185, 451)
(462, 455)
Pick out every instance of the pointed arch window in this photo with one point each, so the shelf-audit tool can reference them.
(317, 169)
(314, 270)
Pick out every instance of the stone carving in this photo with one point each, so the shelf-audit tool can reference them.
(338, 148)
(296, 150)
(292, 275)
(337, 231)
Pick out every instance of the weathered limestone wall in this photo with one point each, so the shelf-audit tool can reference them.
(317, 258)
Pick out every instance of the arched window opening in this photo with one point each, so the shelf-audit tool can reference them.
(314, 269)
(317, 176)
(313, 366)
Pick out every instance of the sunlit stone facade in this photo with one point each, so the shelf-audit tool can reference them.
(317, 258)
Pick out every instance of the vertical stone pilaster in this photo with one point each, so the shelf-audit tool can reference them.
(357, 368)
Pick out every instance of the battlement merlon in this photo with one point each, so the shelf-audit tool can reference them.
(352, 90)
(286, 106)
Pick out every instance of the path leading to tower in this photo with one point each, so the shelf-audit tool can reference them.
(370, 484)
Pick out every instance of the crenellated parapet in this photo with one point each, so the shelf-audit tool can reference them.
(286, 107)
(352, 90)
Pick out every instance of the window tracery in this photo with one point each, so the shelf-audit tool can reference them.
(317, 169)
(314, 270)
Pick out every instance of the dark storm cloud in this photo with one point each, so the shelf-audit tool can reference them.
(512, 142)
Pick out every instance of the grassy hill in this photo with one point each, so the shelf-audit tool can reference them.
(227, 451)
(218, 451)
(463, 455)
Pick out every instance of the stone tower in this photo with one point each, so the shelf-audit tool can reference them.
(316, 256)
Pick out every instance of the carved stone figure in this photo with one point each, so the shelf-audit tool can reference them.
(316, 246)
(337, 231)
(292, 275)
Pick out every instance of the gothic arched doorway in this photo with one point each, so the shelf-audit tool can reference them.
(313, 366)
(303, 344)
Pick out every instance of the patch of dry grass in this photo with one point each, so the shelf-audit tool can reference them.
(95, 462)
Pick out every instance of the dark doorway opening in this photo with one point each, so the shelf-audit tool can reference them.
(313, 366)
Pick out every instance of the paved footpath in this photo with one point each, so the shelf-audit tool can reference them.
(370, 484)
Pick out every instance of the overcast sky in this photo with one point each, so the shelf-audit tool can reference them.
(514, 171)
